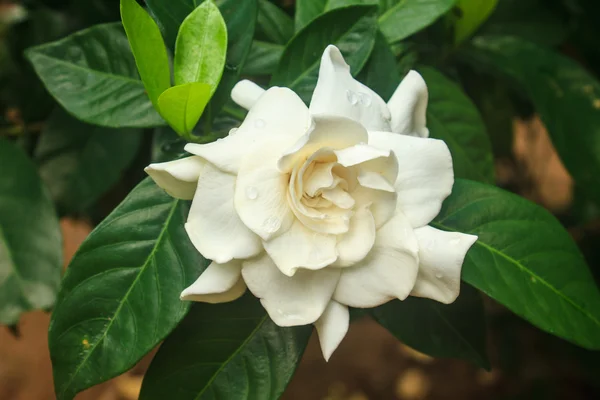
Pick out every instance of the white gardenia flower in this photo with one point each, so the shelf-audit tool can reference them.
(321, 208)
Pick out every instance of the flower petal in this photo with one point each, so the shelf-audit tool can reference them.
(290, 301)
(219, 283)
(354, 246)
(338, 93)
(246, 93)
(300, 247)
(441, 256)
(425, 175)
(408, 106)
(178, 178)
(330, 132)
(388, 272)
(278, 113)
(332, 327)
(382, 204)
(213, 225)
(261, 193)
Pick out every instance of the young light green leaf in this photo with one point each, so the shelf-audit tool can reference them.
(80, 162)
(473, 13)
(452, 117)
(564, 94)
(226, 351)
(120, 295)
(201, 47)
(274, 23)
(407, 17)
(30, 238)
(351, 29)
(148, 49)
(263, 58)
(525, 260)
(183, 105)
(454, 330)
(308, 10)
(92, 74)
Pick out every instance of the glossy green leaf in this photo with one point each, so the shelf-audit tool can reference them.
(183, 105)
(381, 71)
(564, 94)
(80, 162)
(525, 260)
(120, 296)
(454, 330)
(308, 10)
(148, 49)
(93, 75)
(351, 29)
(170, 14)
(226, 351)
(407, 17)
(30, 238)
(472, 14)
(452, 117)
(201, 47)
(274, 23)
(263, 58)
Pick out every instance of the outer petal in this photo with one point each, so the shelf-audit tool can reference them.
(290, 301)
(246, 93)
(441, 256)
(213, 224)
(300, 247)
(332, 327)
(219, 283)
(388, 272)
(408, 106)
(278, 113)
(425, 175)
(356, 244)
(337, 93)
(179, 177)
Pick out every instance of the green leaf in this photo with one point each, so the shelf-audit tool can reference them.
(201, 47)
(30, 238)
(308, 10)
(120, 296)
(454, 330)
(472, 14)
(381, 71)
(274, 23)
(452, 117)
(351, 29)
(93, 75)
(407, 17)
(148, 49)
(183, 105)
(80, 162)
(226, 351)
(564, 94)
(525, 260)
(263, 58)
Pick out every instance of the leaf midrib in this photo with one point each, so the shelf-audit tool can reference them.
(118, 310)
(528, 271)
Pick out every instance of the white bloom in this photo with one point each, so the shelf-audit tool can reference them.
(317, 209)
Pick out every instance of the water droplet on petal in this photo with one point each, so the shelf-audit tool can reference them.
(251, 193)
(455, 242)
(439, 275)
(260, 123)
(431, 245)
(233, 131)
(364, 99)
(351, 96)
(272, 224)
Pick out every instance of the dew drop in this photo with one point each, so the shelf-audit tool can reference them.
(365, 99)
(439, 275)
(230, 67)
(272, 224)
(233, 131)
(455, 242)
(431, 245)
(251, 193)
(260, 123)
(351, 96)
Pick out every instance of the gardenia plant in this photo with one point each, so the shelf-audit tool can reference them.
(317, 209)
